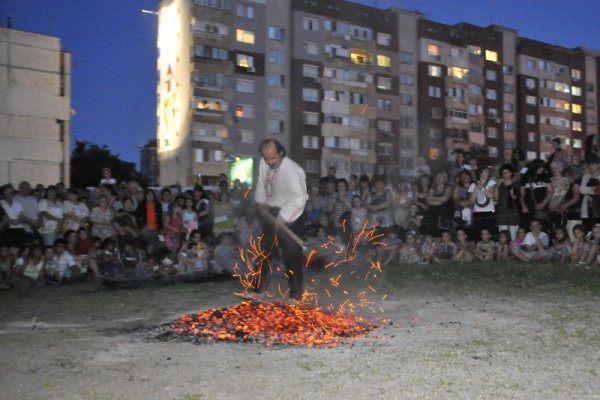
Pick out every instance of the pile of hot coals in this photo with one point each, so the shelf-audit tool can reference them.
(269, 324)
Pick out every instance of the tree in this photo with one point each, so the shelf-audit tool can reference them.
(88, 159)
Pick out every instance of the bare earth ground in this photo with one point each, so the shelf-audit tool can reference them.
(458, 334)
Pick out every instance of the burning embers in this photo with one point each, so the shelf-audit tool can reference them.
(271, 324)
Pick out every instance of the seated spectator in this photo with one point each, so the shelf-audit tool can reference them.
(108, 259)
(51, 212)
(561, 246)
(358, 216)
(225, 255)
(535, 244)
(583, 250)
(464, 248)
(125, 222)
(485, 249)
(101, 218)
(131, 259)
(175, 229)
(428, 249)
(409, 251)
(194, 255)
(385, 254)
(446, 249)
(31, 267)
(503, 247)
(75, 212)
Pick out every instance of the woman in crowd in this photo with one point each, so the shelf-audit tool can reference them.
(379, 204)
(101, 218)
(149, 217)
(76, 212)
(438, 200)
(340, 213)
(482, 198)
(51, 213)
(223, 215)
(507, 202)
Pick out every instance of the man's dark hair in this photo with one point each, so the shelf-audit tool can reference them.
(277, 143)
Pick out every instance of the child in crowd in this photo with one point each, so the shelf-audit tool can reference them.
(583, 252)
(446, 249)
(108, 259)
(519, 240)
(358, 215)
(194, 255)
(174, 229)
(464, 248)
(409, 251)
(6, 267)
(31, 267)
(93, 256)
(427, 249)
(385, 254)
(503, 247)
(561, 246)
(225, 255)
(130, 259)
(189, 217)
(485, 249)
(414, 219)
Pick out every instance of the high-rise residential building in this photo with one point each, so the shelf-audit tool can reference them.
(357, 87)
(35, 108)
(149, 162)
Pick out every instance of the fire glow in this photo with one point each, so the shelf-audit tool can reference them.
(272, 324)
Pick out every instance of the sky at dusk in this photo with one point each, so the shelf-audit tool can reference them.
(113, 47)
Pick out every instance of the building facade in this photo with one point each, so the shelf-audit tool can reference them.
(35, 108)
(358, 88)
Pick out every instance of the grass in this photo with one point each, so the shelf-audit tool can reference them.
(511, 274)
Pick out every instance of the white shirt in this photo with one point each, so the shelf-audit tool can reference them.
(286, 189)
(481, 198)
(55, 209)
(13, 211)
(530, 240)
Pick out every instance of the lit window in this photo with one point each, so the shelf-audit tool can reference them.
(434, 153)
(577, 126)
(245, 61)
(458, 72)
(384, 61)
(245, 111)
(245, 36)
(435, 70)
(577, 143)
(475, 50)
(575, 90)
(359, 56)
(576, 108)
(433, 50)
(491, 56)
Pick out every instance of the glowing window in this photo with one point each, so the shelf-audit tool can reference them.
(358, 56)
(384, 61)
(433, 50)
(435, 70)
(491, 55)
(576, 108)
(434, 153)
(245, 36)
(458, 73)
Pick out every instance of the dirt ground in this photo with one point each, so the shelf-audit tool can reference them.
(465, 339)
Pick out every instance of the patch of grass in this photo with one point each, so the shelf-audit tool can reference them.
(512, 274)
(191, 396)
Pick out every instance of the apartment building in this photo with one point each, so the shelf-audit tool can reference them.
(357, 87)
(35, 108)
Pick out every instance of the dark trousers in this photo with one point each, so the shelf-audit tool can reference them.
(292, 254)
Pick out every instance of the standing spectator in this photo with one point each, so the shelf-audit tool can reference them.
(536, 191)
(149, 217)
(560, 155)
(101, 218)
(560, 186)
(30, 208)
(507, 202)
(482, 198)
(379, 205)
(463, 209)
(590, 189)
(313, 206)
(75, 211)
(189, 217)
(421, 191)
(203, 209)
(341, 208)
(125, 222)
(571, 205)
(166, 200)
(107, 178)
(51, 213)
(438, 200)
(223, 215)
(15, 233)
(328, 202)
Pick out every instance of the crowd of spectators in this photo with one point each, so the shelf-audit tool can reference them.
(468, 211)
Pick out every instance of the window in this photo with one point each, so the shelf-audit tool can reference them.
(507, 69)
(310, 142)
(244, 86)
(577, 126)
(575, 90)
(492, 151)
(245, 61)
(384, 61)
(246, 135)
(275, 79)
(276, 104)
(310, 118)
(310, 94)
(575, 74)
(434, 153)
(210, 52)
(509, 127)
(275, 126)
(530, 119)
(384, 39)
(590, 120)
(384, 126)
(406, 99)
(245, 111)
(277, 56)
(360, 56)
(491, 75)
(384, 83)
(245, 11)
(475, 50)
(211, 3)
(455, 52)
(409, 122)
(406, 79)
(508, 107)
(590, 103)
(475, 90)
(458, 72)
(384, 149)
(244, 36)
(531, 137)
(576, 108)
(208, 155)
(577, 143)
(589, 87)
(435, 70)
(492, 132)
(406, 57)
(211, 104)
(491, 55)
(312, 166)
(491, 94)
(310, 71)
(434, 91)
(508, 88)
(209, 131)
(310, 24)
(531, 65)
(531, 100)
(433, 50)
(476, 128)
(276, 33)
(492, 113)
(435, 133)
(457, 114)
(530, 83)
(474, 109)
(359, 98)
(311, 48)
(384, 104)
(435, 113)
